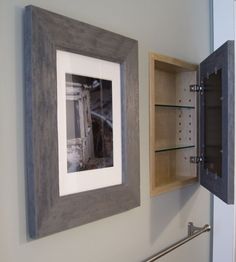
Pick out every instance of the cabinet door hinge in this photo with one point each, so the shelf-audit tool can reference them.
(196, 159)
(196, 88)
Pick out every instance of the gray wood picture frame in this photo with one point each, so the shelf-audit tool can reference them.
(45, 32)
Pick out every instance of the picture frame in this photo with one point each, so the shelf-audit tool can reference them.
(45, 33)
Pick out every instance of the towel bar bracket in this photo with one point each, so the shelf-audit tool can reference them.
(192, 229)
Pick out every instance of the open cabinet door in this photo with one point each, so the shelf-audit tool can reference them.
(217, 122)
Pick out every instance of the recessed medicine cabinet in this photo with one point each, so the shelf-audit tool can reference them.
(192, 123)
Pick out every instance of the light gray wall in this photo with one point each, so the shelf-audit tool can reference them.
(177, 28)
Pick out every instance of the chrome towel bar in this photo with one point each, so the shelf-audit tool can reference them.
(193, 232)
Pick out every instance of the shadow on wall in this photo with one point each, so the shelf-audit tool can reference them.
(18, 73)
(161, 216)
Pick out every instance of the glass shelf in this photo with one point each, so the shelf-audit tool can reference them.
(177, 147)
(175, 106)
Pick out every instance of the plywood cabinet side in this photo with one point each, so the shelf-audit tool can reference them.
(152, 120)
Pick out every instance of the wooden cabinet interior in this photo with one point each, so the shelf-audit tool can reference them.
(173, 123)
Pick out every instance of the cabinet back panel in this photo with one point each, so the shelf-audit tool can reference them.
(173, 88)
(165, 87)
(183, 96)
(174, 127)
(173, 166)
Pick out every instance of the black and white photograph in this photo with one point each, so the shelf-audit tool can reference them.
(88, 123)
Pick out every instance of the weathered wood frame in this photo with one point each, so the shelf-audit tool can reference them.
(221, 186)
(46, 32)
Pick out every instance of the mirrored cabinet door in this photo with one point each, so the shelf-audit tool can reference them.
(217, 122)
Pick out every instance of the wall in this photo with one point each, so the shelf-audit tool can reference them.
(177, 28)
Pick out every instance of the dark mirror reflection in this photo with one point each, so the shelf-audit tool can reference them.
(213, 123)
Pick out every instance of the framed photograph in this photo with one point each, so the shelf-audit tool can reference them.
(88, 99)
(82, 125)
